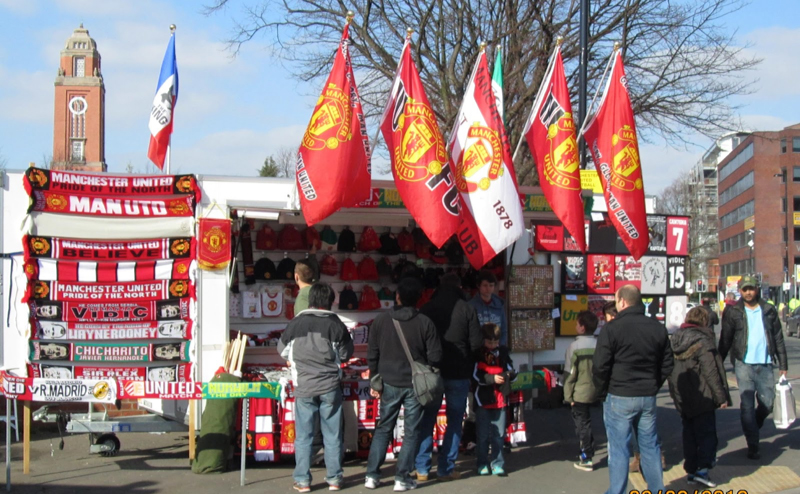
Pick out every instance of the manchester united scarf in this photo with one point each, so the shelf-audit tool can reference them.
(110, 352)
(107, 184)
(162, 373)
(143, 330)
(105, 272)
(108, 250)
(108, 292)
(145, 207)
(106, 311)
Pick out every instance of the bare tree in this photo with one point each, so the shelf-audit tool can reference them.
(286, 159)
(682, 65)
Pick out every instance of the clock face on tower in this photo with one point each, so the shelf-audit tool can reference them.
(78, 105)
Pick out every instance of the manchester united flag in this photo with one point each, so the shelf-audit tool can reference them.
(550, 132)
(491, 216)
(611, 137)
(422, 173)
(333, 163)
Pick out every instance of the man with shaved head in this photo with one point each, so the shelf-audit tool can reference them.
(632, 360)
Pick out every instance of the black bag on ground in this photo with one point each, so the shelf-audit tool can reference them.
(214, 444)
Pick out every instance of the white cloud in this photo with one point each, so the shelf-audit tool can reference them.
(764, 122)
(778, 73)
(26, 96)
(662, 164)
(20, 7)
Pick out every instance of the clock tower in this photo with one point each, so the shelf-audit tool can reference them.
(80, 105)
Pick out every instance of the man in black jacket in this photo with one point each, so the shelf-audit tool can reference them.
(751, 331)
(632, 360)
(460, 334)
(386, 357)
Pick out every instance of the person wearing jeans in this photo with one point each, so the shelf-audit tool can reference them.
(752, 333)
(326, 409)
(390, 380)
(632, 359)
(315, 343)
(459, 332)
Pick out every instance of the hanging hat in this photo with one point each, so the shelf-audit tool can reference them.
(385, 270)
(329, 265)
(349, 270)
(328, 238)
(265, 269)
(405, 241)
(421, 244)
(368, 240)
(369, 299)
(266, 239)
(367, 270)
(312, 238)
(389, 245)
(348, 299)
(286, 269)
(347, 241)
(290, 239)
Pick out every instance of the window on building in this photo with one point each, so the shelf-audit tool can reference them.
(796, 174)
(797, 233)
(783, 145)
(80, 67)
(77, 151)
(796, 144)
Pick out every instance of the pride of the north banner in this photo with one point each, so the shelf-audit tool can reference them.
(108, 292)
(110, 184)
(39, 246)
(98, 205)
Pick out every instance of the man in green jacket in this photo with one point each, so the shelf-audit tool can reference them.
(304, 277)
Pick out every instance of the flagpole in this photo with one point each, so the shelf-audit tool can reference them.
(538, 95)
(591, 106)
(172, 28)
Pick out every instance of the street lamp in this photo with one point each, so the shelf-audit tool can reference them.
(784, 175)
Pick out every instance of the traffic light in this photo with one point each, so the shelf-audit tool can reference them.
(701, 286)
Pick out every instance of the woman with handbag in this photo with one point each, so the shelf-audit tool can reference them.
(396, 339)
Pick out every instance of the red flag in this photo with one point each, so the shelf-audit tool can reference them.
(491, 216)
(420, 167)
(333, 164)
(550, 132)
(611, 137)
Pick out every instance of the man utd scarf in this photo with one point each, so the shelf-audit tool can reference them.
(108, 292)
(97, 205)
(140, 330)
(116, 311)
(38, 246)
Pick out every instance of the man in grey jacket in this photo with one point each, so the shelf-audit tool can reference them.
(315, 343)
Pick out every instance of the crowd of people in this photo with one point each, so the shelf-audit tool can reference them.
(624, 365)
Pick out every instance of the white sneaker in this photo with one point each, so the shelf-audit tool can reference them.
(404, 486)
(371, 483)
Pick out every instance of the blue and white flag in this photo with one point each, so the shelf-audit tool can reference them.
(163, 107)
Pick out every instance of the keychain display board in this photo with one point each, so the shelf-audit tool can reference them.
(532, 330)
(530, 287)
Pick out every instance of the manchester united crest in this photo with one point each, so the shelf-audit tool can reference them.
(184, 183)
(626, 171)
(179, 288)
(330, 124)
(481, 161)
(180, 247)
(421, 152)
(561, 162)
(178, 207)
(57, 202)
(39, 245)
(37, 178)
(215, 239)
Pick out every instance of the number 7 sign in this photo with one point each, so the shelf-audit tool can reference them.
(677, 236)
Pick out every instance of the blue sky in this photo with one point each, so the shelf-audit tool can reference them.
(233, 112)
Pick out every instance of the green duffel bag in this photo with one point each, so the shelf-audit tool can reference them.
(214, 444)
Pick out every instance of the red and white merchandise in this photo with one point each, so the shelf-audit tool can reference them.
(272, 304)
(251, 305)
(38, 246)
(113, 206)
(108, 271)
(108, 184)
(109, 292)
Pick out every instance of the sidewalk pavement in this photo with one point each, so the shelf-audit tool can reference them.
(150, 463)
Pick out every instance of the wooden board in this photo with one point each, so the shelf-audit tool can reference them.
(532, 330)
(530, 287)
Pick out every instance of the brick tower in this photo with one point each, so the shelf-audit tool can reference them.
(80, 101)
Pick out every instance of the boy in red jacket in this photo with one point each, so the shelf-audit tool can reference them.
(494, 372)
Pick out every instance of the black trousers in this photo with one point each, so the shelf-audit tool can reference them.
(699, 441)
(582, 417)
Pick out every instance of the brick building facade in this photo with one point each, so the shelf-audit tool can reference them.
(759, 192)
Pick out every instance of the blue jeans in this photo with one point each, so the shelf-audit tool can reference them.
(327, 408)
(619, 415)
(392, 399)
(455, 392)
(490, 427)
(756, 384)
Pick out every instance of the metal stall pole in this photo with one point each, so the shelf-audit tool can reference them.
(245, 416)
(8, 443)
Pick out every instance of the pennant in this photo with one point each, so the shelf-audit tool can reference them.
(215, 243)
(56, 202)
(141, 330)
(171, 373)
(333, 163)
(107, 184)
(76, 291)
(107, 250)
(550, 132)
(422, 173)
(611, 138)
(163, 110)
(491, 216)
(102, 311)
(105, 272)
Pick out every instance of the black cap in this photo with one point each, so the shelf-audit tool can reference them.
(265, 269)
(286, 269)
